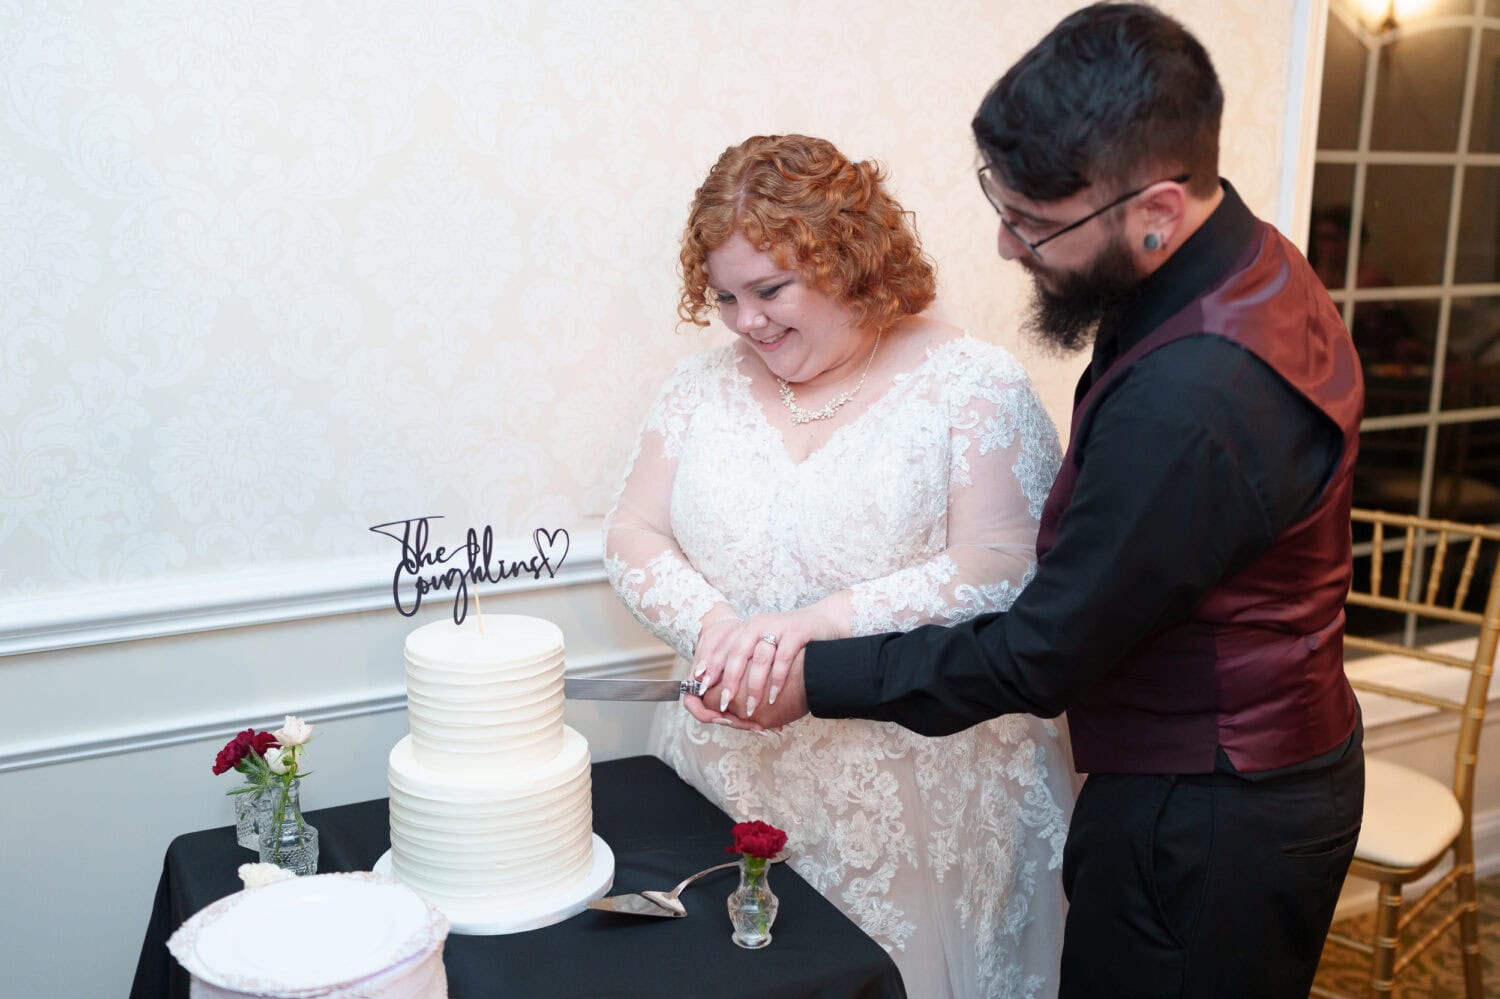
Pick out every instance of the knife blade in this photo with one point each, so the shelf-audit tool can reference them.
(593, 689)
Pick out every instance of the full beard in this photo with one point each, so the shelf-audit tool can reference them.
(1066, 318)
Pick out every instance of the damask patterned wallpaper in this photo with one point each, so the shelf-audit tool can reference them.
(272, 272)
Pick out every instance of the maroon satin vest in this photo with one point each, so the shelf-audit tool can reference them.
(1258, 668)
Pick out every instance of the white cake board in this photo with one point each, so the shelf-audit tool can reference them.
(511, 917)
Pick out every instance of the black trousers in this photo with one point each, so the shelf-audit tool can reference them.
(1206, 885)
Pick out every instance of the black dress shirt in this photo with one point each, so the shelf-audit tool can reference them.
(1189, 467)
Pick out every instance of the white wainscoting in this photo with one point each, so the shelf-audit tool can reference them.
(106, 749)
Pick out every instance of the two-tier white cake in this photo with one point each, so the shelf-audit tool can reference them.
(491, 811)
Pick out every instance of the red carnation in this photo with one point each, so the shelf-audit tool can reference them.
(244, 743)
(757, 839)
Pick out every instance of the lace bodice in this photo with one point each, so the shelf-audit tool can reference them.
(899, 507)
(921, 508)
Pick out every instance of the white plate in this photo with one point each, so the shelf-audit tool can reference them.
(309, 933)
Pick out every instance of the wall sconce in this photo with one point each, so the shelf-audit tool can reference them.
(1381, 16)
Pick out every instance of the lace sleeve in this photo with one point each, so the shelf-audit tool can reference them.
(645, 565)
(1004, 455)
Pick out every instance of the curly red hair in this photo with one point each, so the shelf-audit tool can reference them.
(828, 219)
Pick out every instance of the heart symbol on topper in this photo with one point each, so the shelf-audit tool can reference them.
(545, 542)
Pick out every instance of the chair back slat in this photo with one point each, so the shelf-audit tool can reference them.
(1437, 611)
(1408, 551)
(1377, 560)
(1467, 575)
(1435, 576)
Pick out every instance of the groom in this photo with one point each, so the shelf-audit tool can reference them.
(1194, 554)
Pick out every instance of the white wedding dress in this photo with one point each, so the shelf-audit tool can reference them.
(946, 851)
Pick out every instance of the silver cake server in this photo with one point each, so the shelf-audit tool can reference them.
(659, 903)
(592, 689)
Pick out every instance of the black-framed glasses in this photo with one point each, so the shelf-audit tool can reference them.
(986, 173)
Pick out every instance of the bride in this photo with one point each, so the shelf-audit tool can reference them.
(851, 467)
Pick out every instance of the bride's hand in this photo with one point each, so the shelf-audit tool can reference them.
(753, 668)
(713, 637)
(713, 634)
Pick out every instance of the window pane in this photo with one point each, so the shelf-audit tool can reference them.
(1485, 130)
(1406, 215)
(1479, 228)
(1388, 475)
(1397, 342)
(1343, 88)
(1328, 231)
(1466, 478)
(1471, 385)
(1473, 333)
(1419, 91)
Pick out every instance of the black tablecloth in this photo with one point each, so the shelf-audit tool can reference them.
(660, 830)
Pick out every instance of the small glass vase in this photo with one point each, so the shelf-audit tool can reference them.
(248, 806)
(753, 905)
(286, 839)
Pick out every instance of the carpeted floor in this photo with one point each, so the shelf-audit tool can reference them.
(1438, 974)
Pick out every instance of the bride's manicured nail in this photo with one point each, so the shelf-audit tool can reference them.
(724, 701)
(749, 706)
(774, 692)
(702, 668)
(721, 721)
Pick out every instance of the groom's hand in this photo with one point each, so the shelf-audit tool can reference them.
(699, 707)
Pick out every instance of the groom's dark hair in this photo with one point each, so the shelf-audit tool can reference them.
(1117, 94)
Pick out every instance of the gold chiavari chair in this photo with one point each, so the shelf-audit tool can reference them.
(1412, 823)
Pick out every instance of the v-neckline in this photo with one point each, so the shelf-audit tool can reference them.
(778, 438)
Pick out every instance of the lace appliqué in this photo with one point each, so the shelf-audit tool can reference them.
(669, 597)
(904, 599)
(1013, 412)
(674, 407)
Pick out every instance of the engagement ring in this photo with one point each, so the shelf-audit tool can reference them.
(771, 639)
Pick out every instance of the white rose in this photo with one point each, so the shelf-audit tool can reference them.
(256, 875)
(280, 760)
(295, 732)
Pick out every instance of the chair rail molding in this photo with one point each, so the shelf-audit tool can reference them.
(647, 662)
(265, 595)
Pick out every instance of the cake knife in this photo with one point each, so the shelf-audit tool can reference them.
(593, 689)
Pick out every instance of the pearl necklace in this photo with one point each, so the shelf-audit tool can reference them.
(801, 416)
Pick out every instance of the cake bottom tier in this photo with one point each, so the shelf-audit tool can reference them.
(485, 839)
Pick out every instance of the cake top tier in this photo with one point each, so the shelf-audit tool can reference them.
(507, 640)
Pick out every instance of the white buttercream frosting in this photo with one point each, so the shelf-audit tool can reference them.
(490, 797)
(482, 699)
